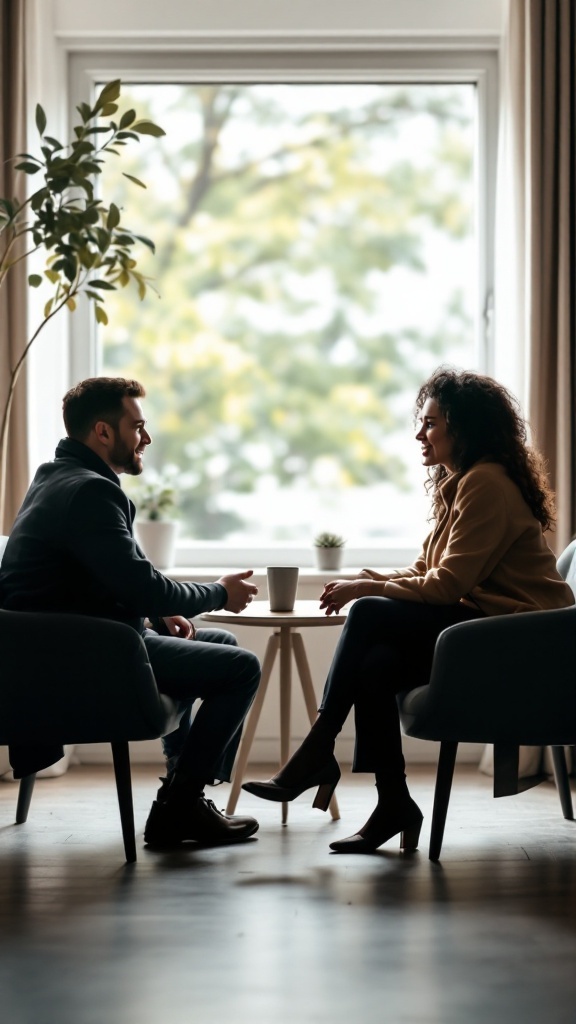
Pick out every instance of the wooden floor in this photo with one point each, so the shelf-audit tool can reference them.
(279, 930)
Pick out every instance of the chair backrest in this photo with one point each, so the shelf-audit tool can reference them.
(567, 565)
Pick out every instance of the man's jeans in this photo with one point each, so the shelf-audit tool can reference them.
(225, 678)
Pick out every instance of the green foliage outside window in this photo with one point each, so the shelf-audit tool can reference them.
(271, 354)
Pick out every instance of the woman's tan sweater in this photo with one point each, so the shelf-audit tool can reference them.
(487, 550)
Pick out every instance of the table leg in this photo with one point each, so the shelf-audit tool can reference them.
(285, 694)
(250, 729)
(309, 695)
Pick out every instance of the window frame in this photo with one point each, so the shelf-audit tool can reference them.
(381, 63)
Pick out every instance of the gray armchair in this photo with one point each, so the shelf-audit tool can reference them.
(76, 679)
(509, 680)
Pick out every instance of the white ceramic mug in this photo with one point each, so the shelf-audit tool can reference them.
(282, 587)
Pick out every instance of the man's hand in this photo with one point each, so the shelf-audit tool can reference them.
(337, 593)
(240, 593)
(177, 625)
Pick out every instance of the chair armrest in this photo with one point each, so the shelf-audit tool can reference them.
(500, 679)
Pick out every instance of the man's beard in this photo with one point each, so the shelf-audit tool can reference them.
(123, 456)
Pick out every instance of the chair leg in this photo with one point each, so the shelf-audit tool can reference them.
(24, 797)
(121, 757)
(562, 782)
(444, 774)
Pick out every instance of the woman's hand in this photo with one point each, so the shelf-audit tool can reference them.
(339, 592)
(370, 574)
(177, 625)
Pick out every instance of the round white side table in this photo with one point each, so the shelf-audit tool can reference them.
(286, 639)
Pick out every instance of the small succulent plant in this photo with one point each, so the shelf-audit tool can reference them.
(329, 540)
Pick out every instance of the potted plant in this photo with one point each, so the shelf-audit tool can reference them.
(88, 249)
(329, 548)
(156, 527)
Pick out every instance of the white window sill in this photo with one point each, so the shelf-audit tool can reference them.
(308, 575)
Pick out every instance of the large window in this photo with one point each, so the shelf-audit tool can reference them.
(317, 256)
(323, 222)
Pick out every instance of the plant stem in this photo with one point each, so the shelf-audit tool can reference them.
(4, 428)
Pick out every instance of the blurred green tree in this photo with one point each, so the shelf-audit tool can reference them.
(276, 222)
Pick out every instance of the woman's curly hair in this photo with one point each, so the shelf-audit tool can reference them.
(485, 421)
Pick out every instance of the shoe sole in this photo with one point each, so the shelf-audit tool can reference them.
(166, 842)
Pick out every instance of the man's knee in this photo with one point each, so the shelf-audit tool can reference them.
(249, 670)
(216, 636)
(227, 638)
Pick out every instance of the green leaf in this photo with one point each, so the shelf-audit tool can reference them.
(38, 198)
(127, 118)
(59, 184)
(148, 128)
(71, 305)
(126, 135)
(52, 275)
(104, 285)
(53, 142)
(146, 241)
(48, 307)
(82, 146)
(87, 258)
(123, 239)
(91, 167)
(109, 93)
(135, 180)
(8, 206)
(113, 218)
(28, 167)
(70, 269)
(40, 119)
(91, 215)
(108, 109)
(85, 113)
(103, 239)
(141, 285)
(34, 280)
(101, 316)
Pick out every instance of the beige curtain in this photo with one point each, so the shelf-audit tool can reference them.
(536, 246)
(14, 291)
(536, 260)
(551, 53)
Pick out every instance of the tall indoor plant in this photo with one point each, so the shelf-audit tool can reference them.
(88, 250)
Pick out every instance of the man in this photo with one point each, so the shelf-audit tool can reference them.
(72, 550)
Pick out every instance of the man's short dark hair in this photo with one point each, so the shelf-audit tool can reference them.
(98, 398)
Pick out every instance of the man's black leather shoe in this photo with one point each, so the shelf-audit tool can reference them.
(170, 823)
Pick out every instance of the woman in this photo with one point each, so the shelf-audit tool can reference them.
(486, 555)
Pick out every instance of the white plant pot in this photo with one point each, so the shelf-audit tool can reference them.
(328, 558)
(157, 538)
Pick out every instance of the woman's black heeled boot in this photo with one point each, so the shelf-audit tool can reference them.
(389, 818)
(313, 764)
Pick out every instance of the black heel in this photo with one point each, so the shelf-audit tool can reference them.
(324, 795)
(381, 826)
(326, 778)
(410, 837)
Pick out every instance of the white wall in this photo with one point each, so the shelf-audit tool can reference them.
(303, 16)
